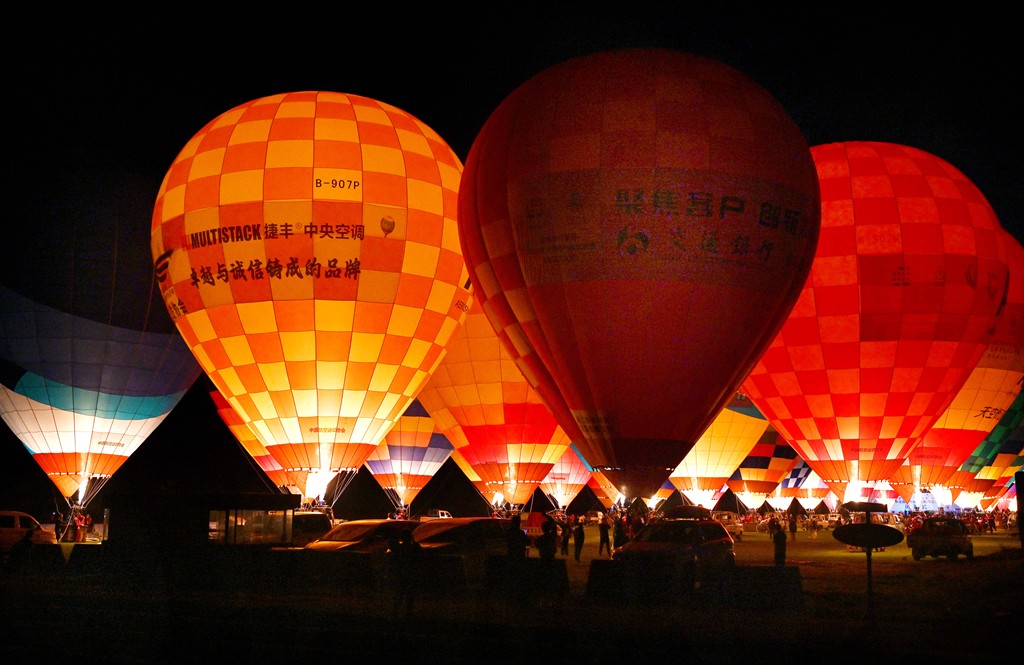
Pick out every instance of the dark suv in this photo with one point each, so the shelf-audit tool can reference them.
(687, 552)
(940, 536)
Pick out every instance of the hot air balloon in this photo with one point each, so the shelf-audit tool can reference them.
(900, 305)
(719, 451)
(638, 224)
(252, 445)
(763, 469)
(982, 467)
(90, 364)
(500, 426)
(567, 478)
(409, 456)
(606, 493)
(306, 248)
(993, 385)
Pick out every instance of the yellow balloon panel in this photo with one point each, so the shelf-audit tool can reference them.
(307, 249)
(720, 450)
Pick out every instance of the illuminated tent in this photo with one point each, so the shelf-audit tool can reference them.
(567, 478)
(306, 248)
(719, 451)
(411, 453)
(482, 403)
(90, 364)
(993, 385)
(901, 303)
(585, 215)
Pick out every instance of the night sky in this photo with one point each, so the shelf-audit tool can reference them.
(131, 97)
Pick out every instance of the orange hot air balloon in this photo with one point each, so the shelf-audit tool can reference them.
(901, 304)
(719, 451)
(252, 445)
(497, 422)
(567, 478)
(306, 248)
(984, 399)
(638, 224)
(409, 456)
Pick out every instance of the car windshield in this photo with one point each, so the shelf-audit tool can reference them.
(668, 532)
(350, 531)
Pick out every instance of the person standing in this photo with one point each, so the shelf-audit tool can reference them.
(621, 535)
(546, 545)
(517, 540)
(564, 529)
(779, 540)
(792, 526)
(605, 531)
(577, 539)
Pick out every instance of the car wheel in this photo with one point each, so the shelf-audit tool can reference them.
(917, 554)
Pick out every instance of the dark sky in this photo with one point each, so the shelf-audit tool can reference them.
(132, 95)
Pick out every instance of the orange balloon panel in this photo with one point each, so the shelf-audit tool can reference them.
(987, 396)
(409, 456)
(900, 306)
(721, 448)
(603, 489)
(631, 206)
(252, 445)
(498, 423)
(768, 462)
(567, 478)
(307, 250)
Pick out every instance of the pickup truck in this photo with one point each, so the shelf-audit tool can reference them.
(435, 514)
(940, 536)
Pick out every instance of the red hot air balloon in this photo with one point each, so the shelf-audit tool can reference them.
(638, 224)
(901, 303)
(984, 399)
(306, 248)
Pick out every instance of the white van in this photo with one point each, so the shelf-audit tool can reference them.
(14, 524)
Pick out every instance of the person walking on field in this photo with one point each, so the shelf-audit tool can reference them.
(792, 527)
(606, 543)
(577, 539)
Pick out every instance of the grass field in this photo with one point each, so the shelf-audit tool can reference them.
(935, 611)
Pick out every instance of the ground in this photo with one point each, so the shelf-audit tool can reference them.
(826, 606)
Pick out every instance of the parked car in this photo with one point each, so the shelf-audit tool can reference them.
(690, 552)
(14, 524)
(361, 536)
(940, 536)
(732, 522)
(309, 525)
(472, 538)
